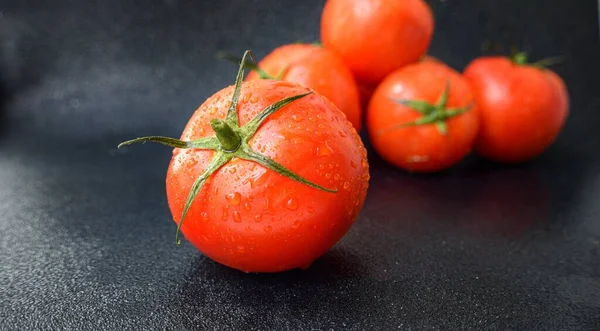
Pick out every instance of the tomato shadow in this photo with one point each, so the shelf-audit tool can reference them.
(4, 97)
(210, 287)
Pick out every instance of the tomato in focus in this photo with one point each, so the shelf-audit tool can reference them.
(267, 175)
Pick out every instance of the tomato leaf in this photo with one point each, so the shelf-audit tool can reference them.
(442, 127)
(451, 112)
(232, 116)
(443, 101)
(250, 155)
(250, 128)
(217, 162)
(422, 107)
(249, 64)
(203, 143)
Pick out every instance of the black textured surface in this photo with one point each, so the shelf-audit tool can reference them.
(86, 238)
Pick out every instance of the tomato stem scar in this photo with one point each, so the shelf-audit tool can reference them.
(436, 114)
(229, 139)
(521, 59)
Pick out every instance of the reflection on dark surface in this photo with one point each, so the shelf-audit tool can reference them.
(507, 202)
(254, 294)
(478, 198)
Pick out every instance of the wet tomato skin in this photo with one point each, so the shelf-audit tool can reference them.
(319, 69)
(522, 108)
(253, 219)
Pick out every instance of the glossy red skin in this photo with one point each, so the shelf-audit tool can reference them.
(522, 108)
(421, 148)
(366, 90)
(253, 219)
(376, 37)
(318, 69)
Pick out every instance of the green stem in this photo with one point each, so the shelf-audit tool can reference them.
(432, 114)
(520, 58)
(229, 139)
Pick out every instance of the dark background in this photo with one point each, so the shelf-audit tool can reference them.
(86, 237)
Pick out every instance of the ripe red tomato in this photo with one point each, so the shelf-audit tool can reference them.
(273, 176)
(376, 37)
(366, 90)
(318, 69)
(422, 118)
(522, 108)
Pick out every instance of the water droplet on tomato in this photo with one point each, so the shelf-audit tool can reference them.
(297, 117)
(353, 164)
(232, 170)
(246, 97)
(343, 134)
(247, 206)
(346, 185)
(364, 163)
(234, 198)
(328, 175)
(224, 214)
(204, 216)
(311, 209)
(254, 99)
(336, 176)
(296, 224)
(331, 165)
(260, 178)
(237, 217)
(192, 162)
(292, 204)
(212, 111)
(268, 228)
(312, 119)
(323, 149)
(257, 218)
(241, 248)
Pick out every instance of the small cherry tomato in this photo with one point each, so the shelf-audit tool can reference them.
(523, 107)
(376, 37)
(423, 117)
(317, 68)
(267, 175)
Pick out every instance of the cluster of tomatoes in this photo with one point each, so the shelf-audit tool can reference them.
(270, 173)
(420, 114)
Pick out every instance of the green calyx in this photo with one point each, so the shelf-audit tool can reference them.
(252, 66)
(433, 114)
(231, 141)
(521, 59)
